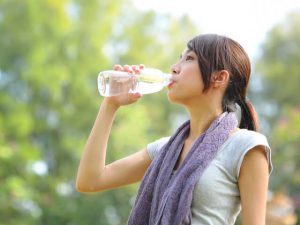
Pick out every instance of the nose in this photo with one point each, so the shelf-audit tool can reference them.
(175, 69)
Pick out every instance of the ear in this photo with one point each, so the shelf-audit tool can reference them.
(219, 78)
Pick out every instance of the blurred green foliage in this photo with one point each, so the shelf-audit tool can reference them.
(279, 66)
(51, 53)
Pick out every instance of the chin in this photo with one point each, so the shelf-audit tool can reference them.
(173, 98)
(170, 97)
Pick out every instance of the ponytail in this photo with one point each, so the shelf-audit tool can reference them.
(249, 118)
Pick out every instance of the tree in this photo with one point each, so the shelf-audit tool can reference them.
(279, 63)
(279, 67)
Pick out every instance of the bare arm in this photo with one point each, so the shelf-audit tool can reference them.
(93, 175)
(253, 184)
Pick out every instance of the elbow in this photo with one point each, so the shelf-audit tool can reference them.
(87, 182)
(84, 187)
(82, 183)
(80, 187)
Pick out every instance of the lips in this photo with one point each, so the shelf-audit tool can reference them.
(171, 84)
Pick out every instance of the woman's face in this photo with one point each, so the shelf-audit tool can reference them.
(187, 82)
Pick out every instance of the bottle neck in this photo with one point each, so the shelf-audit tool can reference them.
(150, 75)
(167, 78)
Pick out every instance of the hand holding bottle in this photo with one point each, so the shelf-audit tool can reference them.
(123, 85)
(134, 79)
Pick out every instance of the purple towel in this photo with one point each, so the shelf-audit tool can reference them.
(166, 199)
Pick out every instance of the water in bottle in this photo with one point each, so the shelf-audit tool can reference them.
(112, 82)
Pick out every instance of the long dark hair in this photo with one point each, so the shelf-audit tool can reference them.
(217, 53)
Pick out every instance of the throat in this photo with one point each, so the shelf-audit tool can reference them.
(185, 150)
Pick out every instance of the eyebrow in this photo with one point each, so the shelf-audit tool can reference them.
(185, 52)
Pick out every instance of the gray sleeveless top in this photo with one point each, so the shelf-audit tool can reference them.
(216, 197)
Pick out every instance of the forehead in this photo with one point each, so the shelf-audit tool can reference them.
(186, 51)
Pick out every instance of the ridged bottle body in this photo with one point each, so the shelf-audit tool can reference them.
(112, 82)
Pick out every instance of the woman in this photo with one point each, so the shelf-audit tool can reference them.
(209, 168)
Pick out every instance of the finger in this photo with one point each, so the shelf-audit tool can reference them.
(127, 68)
(134, 96)
(117, 67)
(137, 95)
(136, 69)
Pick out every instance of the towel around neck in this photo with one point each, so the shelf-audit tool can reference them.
(164, 198)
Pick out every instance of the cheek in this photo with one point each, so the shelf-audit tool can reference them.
(185, 89)
(194, 81)
(188, 84)
(193, 73)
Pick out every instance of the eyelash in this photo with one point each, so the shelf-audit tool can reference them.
(188, 57)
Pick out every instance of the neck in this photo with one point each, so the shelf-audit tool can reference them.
(201, 118)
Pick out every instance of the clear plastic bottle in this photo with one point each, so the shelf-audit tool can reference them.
(112, 82)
